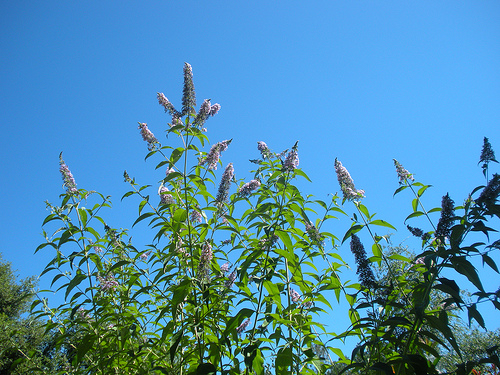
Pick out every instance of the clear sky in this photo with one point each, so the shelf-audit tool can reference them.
(364, 81)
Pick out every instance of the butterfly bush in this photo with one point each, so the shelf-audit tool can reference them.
(153, 299)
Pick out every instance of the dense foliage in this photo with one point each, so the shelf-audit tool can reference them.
(23, 336)
(235, 277)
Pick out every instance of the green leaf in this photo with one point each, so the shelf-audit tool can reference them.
(414, 204)
(399, 190)
(234, 322)
(176, 155)
(465, 267)
(422, 190)
(476, 315)
(490, 262)
(118, 264)
(50, 218)
(364, 210)
(83, 216)
(284, 360)
(397, 256)
(382, 223)
(206, 369)
(414, 214)
(258, 363)
(65, 237)
(142, 217)
(174, 344)
(79, 277)
(384, 367)
(84, 346)
(377, 252)
(285, 238)
(143, 203)
(352, 230)
(435, 209)
(450, 287)
(180, 216)
(441, 323)
(301, 173)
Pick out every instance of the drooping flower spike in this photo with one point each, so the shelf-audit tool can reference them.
(169, 107)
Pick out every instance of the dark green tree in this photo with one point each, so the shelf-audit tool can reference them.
(19, 335)
(24, 343)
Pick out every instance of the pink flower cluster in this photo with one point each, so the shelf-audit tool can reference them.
(206, 253)
(196, 216)
(249, 187)
(347, 184)
(225, 183)
(214, 109)
(230, 280)
(165, 103)
(165, 198)
(69, 180)
(213, 155)
(225, 267)
(295, 295)
(147, 135)
(243, 326)
(403, 174)
(107, 283)
(291, 161)
(313, 233)
(264, 150)
(144, 256)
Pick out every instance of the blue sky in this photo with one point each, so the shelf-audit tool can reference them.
(364, 81)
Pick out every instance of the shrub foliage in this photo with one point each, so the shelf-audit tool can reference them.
(237, 275)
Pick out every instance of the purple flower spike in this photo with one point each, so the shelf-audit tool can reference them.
(188, 94)
(67, 176)
(225, 267)
(214, 109)
(213, 155)
(347, 184)
(107, 283)
(230, 280)
(364, 271)
(147, 135)
(248, 188)
(403, 174)
(295, 295)
(165, 197)
(165, 103)
(291, 161)
(196, 216)
(225, 183)
(243, 326)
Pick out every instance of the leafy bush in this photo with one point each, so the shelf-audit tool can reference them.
(235, 275)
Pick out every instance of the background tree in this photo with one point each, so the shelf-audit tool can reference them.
(19, 335)
(24, 342)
